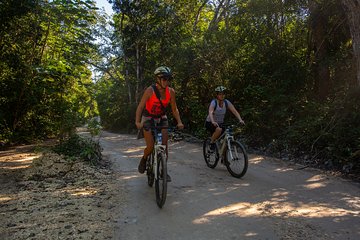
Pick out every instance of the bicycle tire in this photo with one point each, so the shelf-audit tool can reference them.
(161, 180)
(238, 165)
(211, 158)
(149, 170)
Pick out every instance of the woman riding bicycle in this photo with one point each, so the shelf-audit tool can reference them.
(152, 109)
(217, 110)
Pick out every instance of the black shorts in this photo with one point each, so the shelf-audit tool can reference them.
(149, 121)
(211, 128)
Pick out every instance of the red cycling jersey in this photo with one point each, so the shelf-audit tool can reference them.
(153, 106)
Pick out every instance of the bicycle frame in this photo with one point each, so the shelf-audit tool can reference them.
(226, 137)
(158, 147)
(230, 151)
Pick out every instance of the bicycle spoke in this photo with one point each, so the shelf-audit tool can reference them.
(161, 181)
(236, 160)
(211, 156)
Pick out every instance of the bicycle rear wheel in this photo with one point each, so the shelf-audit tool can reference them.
(149, 170)
(211, 156)
(236, 162)
(161, 180)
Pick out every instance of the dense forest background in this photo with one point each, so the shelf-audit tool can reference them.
(292, 69)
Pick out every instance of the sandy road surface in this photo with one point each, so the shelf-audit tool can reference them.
(273, 201)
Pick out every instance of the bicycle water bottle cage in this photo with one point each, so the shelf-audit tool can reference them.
(159, 137)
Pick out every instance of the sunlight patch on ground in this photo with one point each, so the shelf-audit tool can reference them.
(176, 203)
(228, 189)
(317, 181)
(250, 234)
(280, 193)
(16, 167)
(316, 178)
(4, 198)
(131, 150)
(283, 169)
(129, 177)
(138, 156)
(19, 162)
(314, 185)
(26, 159)
(193, 151)
(256, 160)
(81, 191)
(275, 208)
(355, 202)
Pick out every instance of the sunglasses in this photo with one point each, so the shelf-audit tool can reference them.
(166, 78)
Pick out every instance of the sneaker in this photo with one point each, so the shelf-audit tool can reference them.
(142, 165)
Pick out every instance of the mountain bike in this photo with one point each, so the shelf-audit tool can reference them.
(156, 166)
(231, 152)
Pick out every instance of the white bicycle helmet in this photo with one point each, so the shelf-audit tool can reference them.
(220, 89)
(163, 71)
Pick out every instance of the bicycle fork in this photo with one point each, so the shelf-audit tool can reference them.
(158, 149)
(226, 145)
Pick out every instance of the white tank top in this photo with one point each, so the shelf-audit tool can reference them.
(219, 113)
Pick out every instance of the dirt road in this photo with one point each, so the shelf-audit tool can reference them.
(52, 198)
(274, 200)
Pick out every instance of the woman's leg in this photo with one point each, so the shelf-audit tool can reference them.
(149, 140)
(216, 134)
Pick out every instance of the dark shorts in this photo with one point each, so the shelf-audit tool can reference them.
(211, 128)
(149, 121)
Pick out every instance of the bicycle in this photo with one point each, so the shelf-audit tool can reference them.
(232, 153)
(156, 166)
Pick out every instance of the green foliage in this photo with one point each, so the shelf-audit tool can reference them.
(45, 85)
(94, 127)
(259, 50)
(80, 147)
(330, 132)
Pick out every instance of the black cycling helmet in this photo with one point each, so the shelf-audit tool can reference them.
(164, 72)
(220, 89)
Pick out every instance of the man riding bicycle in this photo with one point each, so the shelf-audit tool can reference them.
(216, 115)
(152, 109)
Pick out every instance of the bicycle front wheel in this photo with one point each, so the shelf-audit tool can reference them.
(149, 170)
(236, 159)
(161, 180)
(211, 156)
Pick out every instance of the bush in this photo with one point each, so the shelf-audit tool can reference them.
(79, 147)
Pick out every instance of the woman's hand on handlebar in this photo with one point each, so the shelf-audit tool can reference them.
(180, 126)
(139, 125)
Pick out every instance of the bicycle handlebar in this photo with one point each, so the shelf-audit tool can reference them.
(160, 127)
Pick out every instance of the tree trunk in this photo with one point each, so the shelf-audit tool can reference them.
(137, 72)
(352, 8)
(127, 82)
(197, 18)
(319, 46)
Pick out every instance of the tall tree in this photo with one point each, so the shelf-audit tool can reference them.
(352, 9)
